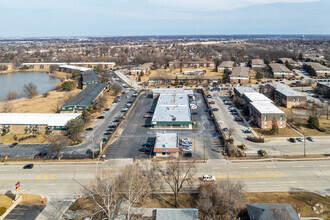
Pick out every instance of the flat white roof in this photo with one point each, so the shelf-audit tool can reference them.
(285, 89)
(173, 91)
(94, 63)
(266, 108)
(166, 141)
(83, 69)
(36, 119)
(256, 97)
(172, 107)
(43, 64)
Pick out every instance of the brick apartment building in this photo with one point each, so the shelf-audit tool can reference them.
(240, 75)
(34, 123)
(191, 64)
(239, 92)
(265, 112)
(258, 63)
(7, 67)
(323, 88)
(280, 71)
(192, 80)
(226, 65)
(317, 69)
(284, 95)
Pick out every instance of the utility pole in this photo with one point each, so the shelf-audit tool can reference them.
(204, 149)
(304, 146)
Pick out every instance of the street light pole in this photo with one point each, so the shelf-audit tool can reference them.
(304, 146)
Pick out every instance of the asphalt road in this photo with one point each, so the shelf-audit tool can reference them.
(70, 179)
(131, 136)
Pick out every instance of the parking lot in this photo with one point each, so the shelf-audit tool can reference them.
(131, 136)
(25, 212)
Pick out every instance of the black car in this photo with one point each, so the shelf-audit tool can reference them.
(150, 112)
(147, 145)
(113, 126)
(107, 133)
(145, 149)
(110, 129)
(234, 113)
(43, 154)
(100, 117)
(194, 113)
(292, 140)
(147, 126)
(116, 120)
(89, 129)
(107, 109)
(13, 145)
(28, 166)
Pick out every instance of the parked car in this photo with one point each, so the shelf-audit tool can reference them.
(209, 96)
(234, 113)
(194, 107)
(225, 129)
(28, 166)
(53, 155)
(247, 130)
(300, 139)
(13, 145)
(112, 126)
(135, 95)
(145, 149)
(107, 133)
(110, 129)
(310, 139)
(208, 178)
(212, 102)
(38, 155)
(147, 116)
(100, 117)
(227, 102)
(124, 109)
(116, 120)
(186, 140)
(107, 109)
(239, 119)
(292, 140)
(194, 113)
(150, 112)
(148, 125)
(231, 108)
(215, 109)
(89, 129)
(44, 154)
(147, 145)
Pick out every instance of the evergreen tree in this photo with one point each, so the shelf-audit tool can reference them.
(274, 129)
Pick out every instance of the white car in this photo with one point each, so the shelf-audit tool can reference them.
(185, 139)
(194, 107)
(208, 178)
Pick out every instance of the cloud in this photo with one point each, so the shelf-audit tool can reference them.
(217, 5)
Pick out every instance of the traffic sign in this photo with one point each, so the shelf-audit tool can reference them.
(17, 186)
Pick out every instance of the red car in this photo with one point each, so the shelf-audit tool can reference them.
(38, 155)
(212, 102)
(238, 119)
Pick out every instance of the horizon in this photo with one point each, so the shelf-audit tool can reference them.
(157, 17)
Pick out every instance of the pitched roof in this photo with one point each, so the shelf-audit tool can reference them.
(228, 64)
(272, 212)
(176, 214)
(277, 67)
(258, 62)
(285, 89)
(90, 76)
(317, 66)
(240, 72)
(87, 96)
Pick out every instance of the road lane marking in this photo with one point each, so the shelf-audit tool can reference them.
(51, 176)
(20, 209)
(267, 174)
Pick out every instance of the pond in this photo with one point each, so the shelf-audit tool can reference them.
(16, 81)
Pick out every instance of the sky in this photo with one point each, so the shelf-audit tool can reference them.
(41, 18)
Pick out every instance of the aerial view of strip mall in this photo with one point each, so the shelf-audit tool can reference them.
(165, 110)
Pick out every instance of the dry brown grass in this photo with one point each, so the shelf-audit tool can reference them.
(32, 200)
(282, 132)
(40, 104)
(9, 138)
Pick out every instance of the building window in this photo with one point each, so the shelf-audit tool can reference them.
(281, 124)
(294, 102)
(265, 121)
(298, 101)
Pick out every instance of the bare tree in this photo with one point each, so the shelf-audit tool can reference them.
(116, 88)
(176, 174)
(11, 95)
(30, 90)
(101, 103)
(135, 186)
(222, 200)
(7, 107)
(58, 143)
(104, 194)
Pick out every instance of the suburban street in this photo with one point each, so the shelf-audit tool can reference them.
(69, 179)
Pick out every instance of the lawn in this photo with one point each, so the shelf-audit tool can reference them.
(40, 104)
(9, 138)
(282, 132)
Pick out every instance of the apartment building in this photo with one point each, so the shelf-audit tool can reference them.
(280, 71)
(191, 64)
(317, 69)
(35, 123)
(240, 75)
(258, 63)
(7, 67)
(289, 60)
(190, 80)
(226, 65)
(84, 99)
(264, 113)
(142, 68)
(284, 95)
(239, 92)
(89, 77)
(323, 88)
